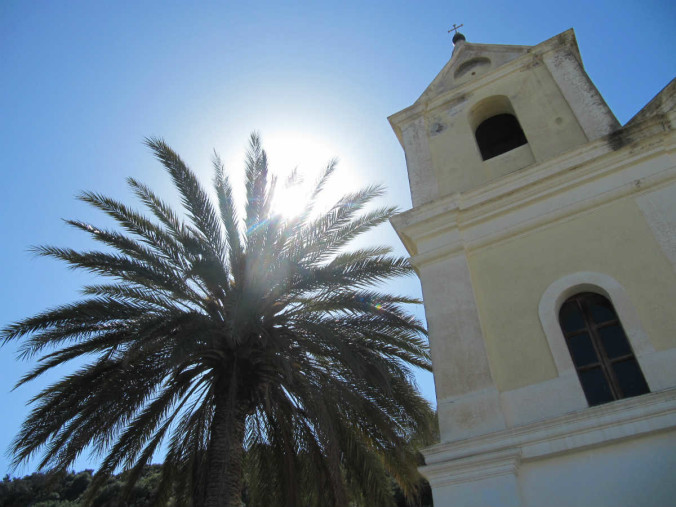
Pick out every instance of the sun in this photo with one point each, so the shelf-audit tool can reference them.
(308, 156)
(290, 201)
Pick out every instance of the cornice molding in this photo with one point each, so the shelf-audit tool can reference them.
(474, 468)
(461, 214)
(593, 426)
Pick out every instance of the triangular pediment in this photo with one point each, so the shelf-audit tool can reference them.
(469, 62)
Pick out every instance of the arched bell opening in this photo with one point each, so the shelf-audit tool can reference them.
(499, 134)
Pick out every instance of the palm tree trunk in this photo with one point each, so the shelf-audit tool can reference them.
(291, 486)
(224, 454)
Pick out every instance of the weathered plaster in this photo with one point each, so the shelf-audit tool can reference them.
(584, 206)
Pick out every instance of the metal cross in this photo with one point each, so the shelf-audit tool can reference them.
(454, 28)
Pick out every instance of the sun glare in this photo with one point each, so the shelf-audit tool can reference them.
(309, 156)
(290, 201)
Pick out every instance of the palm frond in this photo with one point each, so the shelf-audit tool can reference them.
(254, 350)
(194, 198)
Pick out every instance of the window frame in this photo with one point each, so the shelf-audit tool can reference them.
(588, 281)
(591, 328)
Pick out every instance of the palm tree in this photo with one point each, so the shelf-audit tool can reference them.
(255, 349)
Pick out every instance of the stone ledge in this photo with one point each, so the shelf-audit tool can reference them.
(594, 426)
(474, 468)
(525, 200)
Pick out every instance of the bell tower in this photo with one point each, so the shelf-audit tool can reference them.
(543, 235)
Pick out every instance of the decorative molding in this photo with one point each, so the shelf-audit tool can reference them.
(620, 420)
(473, 468)
(436, 255)
(553, 176)
(560, 188)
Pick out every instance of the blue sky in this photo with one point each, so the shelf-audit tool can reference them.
(82, 83)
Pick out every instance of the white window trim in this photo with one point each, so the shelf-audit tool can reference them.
(599, 283)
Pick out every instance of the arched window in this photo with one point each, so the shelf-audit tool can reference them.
(499, 134)
(598, 345)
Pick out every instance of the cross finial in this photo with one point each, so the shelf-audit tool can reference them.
(455, 28)
(457, 36)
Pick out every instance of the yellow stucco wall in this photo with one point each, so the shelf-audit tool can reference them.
(545, 117)
(510, 278)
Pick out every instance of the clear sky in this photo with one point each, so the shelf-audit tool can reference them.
(82, 83)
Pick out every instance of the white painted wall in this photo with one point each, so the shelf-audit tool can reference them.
(631, 474)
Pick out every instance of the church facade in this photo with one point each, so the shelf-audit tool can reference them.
(544, 236)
